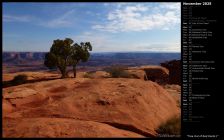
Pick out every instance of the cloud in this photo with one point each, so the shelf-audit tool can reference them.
(103, 42)
(100, 42)
(16, 18)
(106, 43)
(160, 47)
(11, 35)
(140, 17)
(171, 6)
(62, 21)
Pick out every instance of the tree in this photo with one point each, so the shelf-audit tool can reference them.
(80, 53)
(64, 53)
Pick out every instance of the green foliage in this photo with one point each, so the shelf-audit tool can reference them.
(19, 79)
(134, 76)
(171, 127)
(10, 91)
(178, 103)
(119, 72)
(80, 53)
(88, 75)
(50, 60)
(64, 53)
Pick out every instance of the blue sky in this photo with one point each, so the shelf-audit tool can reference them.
(110, 27)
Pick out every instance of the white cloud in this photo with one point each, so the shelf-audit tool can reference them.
(160, 47)
(170, 6)
(62, 21)
(139, 17)
(11, 35)
(106, 43)
(16, 18)
(106, 4)
(100, 42)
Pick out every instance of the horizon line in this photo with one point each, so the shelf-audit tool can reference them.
(95, 52)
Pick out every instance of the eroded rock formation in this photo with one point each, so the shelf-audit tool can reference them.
(174, 68)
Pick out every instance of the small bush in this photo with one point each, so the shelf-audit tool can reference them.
(134, 76)
(171, 127)
(19, 79)
(118, 72)
(88, 75)
(178, 103)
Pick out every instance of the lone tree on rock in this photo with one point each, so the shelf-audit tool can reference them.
(80, 53)
(64, 53)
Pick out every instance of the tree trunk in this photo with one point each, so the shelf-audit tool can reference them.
(64, 74)
(74, 70)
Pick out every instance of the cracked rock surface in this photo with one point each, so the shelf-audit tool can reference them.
(85, 107)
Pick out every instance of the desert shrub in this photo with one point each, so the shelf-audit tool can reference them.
(171, 127)
(178, 103)
(88, 75)
(134, 76)
(118, 72)
(19, 79)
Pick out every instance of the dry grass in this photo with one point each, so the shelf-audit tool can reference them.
(89, 75)
(120, 72)
(170, 127)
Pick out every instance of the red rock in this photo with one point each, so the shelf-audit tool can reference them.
(83, 107)
(174, 68)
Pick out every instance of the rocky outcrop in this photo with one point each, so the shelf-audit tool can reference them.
(62, 128)
(174, 68)
(156, 74)
(85, 107)
(153, 73)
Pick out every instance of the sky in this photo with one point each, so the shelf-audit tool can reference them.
(109, 27)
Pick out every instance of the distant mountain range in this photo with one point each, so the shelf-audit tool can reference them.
(34, 61)
(22, 57)
(96, 59)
